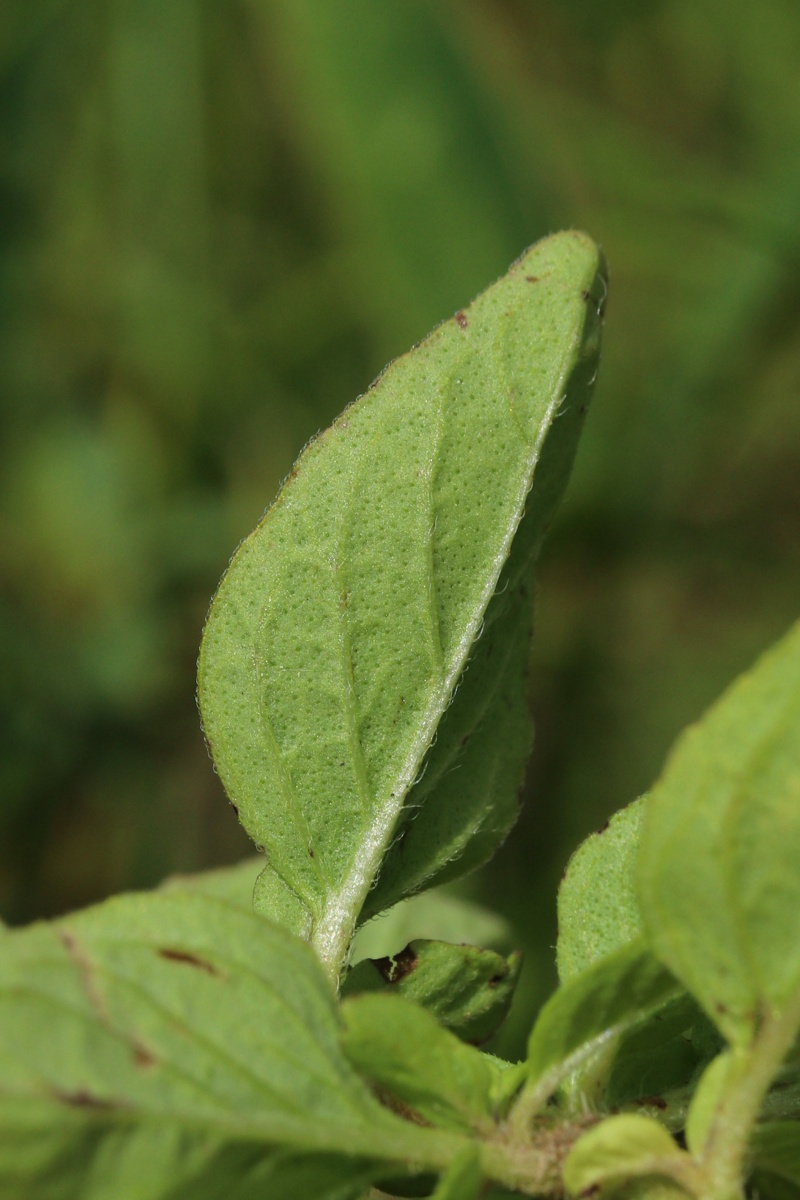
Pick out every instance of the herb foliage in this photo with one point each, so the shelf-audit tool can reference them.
(362, 686)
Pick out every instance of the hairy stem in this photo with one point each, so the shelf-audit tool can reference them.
(724, 1155)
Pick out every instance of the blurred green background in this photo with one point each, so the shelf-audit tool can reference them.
(219, 221)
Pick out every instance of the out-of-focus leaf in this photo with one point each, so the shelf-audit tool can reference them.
(400, 137)
(708, 1091)
(717, 873)
(775, 1147)
(157, 1042)
(462, 1181)
(404, 1049)
(617, 1149)
(233, 884)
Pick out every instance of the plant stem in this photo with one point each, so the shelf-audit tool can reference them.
(532, 1164)
(723, 1157)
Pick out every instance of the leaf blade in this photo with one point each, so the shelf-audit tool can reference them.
(589, 1013)
(343, 624)
(183, 1014)
(775, 1147)
(401, 1046)
(717, 874)
(597, 906)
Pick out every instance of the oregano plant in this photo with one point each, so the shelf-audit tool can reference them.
(362, 682)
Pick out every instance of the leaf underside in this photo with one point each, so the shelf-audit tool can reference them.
(335, 644)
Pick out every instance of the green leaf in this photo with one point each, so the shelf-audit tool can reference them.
(587, 1015)
(620, 1148)
(597, 906)
(775, 1147)
(719, 886)
(401, 1047)
(173, 1041)
(768, 1186)
(340, 633)
(709, 1091)
(438, 915)
(657, 1055)
(234, 884)
(468, 990)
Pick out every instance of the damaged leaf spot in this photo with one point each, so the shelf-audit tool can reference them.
(143, 1058)
(191, 960)
(82, 1098)
(395, 968)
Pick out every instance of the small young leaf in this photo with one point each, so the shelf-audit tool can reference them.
(707, 1095)
(590, 1012)
(657, 1055)
(597, 906)
(718, 878)
(468, 990)
(403, 1048)
(775, 1147)
(342, 628)
(155, 1041)
(620, 1148)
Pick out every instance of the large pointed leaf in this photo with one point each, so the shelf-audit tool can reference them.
(339, 634)
(719, 884)
(173, 1045)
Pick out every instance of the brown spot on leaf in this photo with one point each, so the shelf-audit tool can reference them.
(603, 827)
(191, 960)
(81, 1098)
(532, 278)
(462, 321)
(86, 969)
(143, 1058)
(395, 968)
